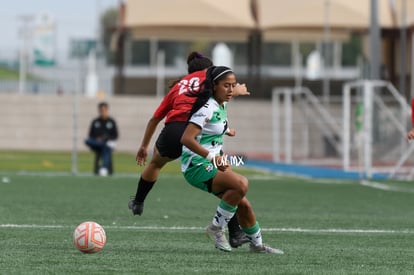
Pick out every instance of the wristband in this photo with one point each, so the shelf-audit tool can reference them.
(210, 156)
(227, 130)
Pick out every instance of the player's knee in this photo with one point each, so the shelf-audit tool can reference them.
(156, 165)
(157, 162)
(243, 186)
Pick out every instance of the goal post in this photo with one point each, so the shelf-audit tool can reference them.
(390, 111)
(365, 128)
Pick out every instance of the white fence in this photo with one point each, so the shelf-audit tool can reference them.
(45, 122)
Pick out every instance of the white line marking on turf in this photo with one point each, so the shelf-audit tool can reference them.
(336, 230)
(259, 177)
(330, 181)
(386, 187)
(194, 228)
(80, 174)
(34, 226)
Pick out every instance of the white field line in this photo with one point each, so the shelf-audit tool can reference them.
(266, 176)
(331, 181)
(193, 228)
(385, 187)
(68, 174)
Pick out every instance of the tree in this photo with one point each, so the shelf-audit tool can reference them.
(108, 22)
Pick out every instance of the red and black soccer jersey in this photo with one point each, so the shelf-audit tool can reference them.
(176, 105)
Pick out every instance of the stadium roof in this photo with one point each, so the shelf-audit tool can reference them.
(232, 20)
(189, 19)
(278, 18)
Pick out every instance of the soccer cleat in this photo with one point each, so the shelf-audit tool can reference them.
(262, 248)
(111, 144)
(136, 207)
(103, 172)
(238, 239)
(217, 235)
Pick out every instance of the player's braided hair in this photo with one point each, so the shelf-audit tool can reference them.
(213, 76)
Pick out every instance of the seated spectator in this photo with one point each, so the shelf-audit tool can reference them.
(102, 136)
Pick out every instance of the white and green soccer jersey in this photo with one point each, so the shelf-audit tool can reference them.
(212, 119)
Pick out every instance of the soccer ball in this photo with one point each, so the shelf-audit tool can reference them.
(89, 237)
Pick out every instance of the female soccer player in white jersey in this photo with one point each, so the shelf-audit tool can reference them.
(204, 166)
(175, 108)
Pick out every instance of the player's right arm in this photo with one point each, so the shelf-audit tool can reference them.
(193, 129)
(165, 106)
(188, 139)
(142, 153)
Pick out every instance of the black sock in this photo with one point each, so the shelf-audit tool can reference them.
(144, 187)
(233, 226)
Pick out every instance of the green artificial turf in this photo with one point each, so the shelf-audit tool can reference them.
(324, 227)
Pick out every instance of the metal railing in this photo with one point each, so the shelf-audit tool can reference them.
(310, 107)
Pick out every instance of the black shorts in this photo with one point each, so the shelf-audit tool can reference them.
(168, 142)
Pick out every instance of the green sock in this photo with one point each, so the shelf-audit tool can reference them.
(254, 234)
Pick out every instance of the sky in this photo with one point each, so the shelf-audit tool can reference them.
(74, 19)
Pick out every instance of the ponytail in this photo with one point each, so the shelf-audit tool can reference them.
(197, 62)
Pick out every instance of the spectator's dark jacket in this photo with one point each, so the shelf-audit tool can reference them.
(103, 129)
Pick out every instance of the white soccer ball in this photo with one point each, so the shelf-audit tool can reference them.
(89, 237)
